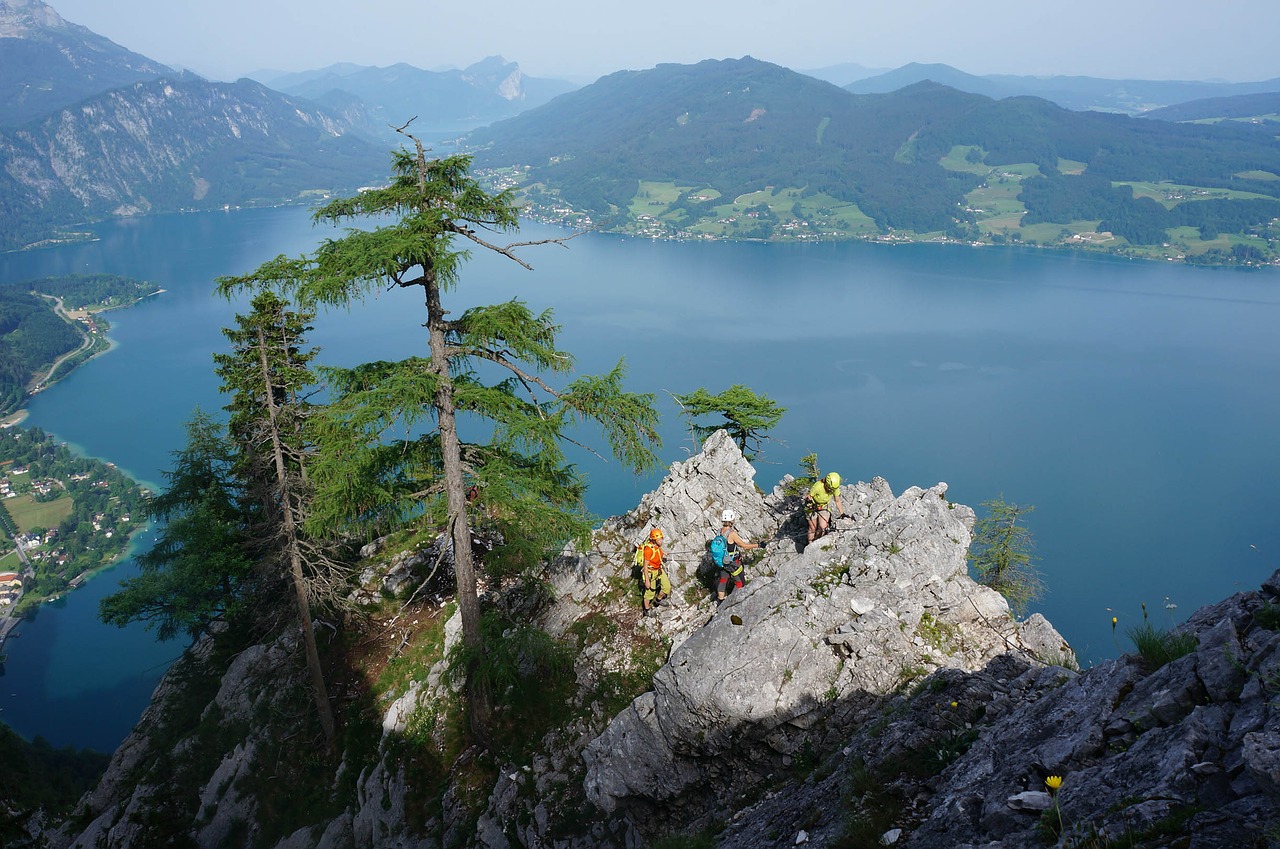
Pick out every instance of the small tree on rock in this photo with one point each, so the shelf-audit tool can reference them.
(1001, 554)
(744, 414)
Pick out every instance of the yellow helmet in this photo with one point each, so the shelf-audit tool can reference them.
(655, 535)
(832, 480)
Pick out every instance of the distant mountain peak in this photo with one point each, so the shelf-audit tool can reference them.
(25, 18)
(47, 62)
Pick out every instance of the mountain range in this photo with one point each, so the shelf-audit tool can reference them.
(455, 100)
(1130, 97)
(720, 149)
(747, 149)
(47, 63)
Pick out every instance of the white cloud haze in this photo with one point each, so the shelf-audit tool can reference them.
(1231, 40)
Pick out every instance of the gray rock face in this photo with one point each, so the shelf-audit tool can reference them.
(882, 601)
(1186, 754)
(822, 641)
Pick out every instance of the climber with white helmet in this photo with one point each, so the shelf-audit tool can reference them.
(728, 554)
(817, 504)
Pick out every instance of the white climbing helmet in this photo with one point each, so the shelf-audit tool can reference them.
(728, 517)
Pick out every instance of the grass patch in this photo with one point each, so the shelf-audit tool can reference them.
(942, 636)
(1170, 195)
(1156, 646)
(593, 628)
(966, 158)
(418, 657)
(617, 688)
(829, 578)
(1268, 616)
(28, 513)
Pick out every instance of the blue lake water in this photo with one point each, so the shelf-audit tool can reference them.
(1136, 405)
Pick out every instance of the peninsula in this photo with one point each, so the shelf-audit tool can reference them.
(51, 325)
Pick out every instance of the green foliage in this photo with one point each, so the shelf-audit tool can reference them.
(800, 486)
(744, 414)
(199, 570)
(365, 478)
(37, 776)
(530, 676)
(871, 808)
(1268, 616)
(1157, 646)
(32, 336)
(1001, 553)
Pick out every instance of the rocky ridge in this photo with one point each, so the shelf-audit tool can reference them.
(864, 685)
(48, 63)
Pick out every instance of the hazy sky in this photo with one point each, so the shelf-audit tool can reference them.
(1232, 40)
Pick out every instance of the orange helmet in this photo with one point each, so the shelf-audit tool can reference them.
(655, 535)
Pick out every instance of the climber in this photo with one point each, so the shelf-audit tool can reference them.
(730, 564)
(650, 557)
(817, 504)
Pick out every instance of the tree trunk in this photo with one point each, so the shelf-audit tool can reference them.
(479, 699)
(318, 689)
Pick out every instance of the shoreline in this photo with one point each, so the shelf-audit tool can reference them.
(20, 415)
(9, 622)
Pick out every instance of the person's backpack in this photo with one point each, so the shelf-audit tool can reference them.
(720, 550)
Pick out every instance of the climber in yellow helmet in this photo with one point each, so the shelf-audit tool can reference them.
(817, 504)
(651, 559)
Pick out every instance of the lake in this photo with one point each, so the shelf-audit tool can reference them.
(1136, 405)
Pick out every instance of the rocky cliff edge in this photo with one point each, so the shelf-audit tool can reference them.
(860, 690)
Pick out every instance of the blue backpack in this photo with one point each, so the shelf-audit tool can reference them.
(720, 550)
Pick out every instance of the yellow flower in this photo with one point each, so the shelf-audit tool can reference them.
(1053, 782)
(1114, 620)
(955, 704)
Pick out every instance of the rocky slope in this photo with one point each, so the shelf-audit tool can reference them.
(47, 63)
(169, 144)
(863, 688)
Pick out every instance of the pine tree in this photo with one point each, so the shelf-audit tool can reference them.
(390, 446)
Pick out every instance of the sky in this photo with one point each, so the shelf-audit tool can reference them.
(581, 40)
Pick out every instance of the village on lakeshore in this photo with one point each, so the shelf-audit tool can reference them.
(65, 516)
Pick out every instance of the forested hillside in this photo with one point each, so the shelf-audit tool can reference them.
(1257, 108)
(33, 336)
(742, 148)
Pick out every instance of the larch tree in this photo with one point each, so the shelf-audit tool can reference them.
(390, 447)
(199, 570)
(1001, 553)
(743, 414)
(268, 375)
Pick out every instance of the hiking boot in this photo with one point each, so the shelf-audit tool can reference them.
(645, 613)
